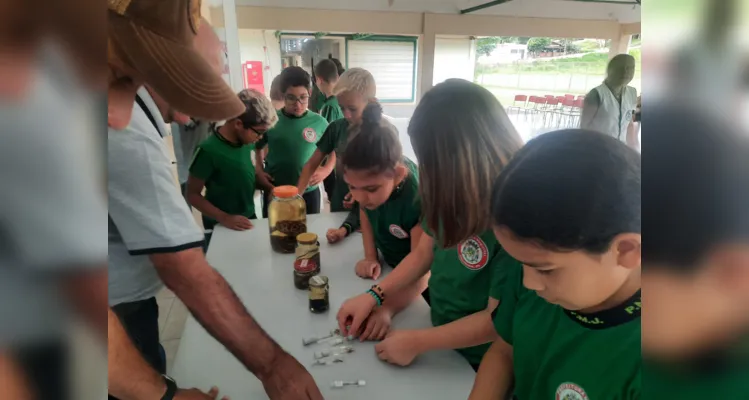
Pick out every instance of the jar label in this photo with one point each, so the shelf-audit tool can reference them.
(305, 265)
(318, 292)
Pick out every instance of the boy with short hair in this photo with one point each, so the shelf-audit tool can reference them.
(354, 90)
(567, 207)
(292, 142)
(222, 164)
(326, 77)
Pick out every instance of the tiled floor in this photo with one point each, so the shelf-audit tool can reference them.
(172, 317)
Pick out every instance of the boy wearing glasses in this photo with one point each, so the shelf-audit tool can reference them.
(222, 164)
(292, 142)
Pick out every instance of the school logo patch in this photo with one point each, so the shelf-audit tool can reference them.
(398, 232)
(473, 253)
(628, 116)
(309, 135)
(570, 391)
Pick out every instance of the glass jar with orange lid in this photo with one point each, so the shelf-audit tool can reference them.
(287, 218)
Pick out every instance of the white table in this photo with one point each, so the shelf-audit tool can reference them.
(263, 280)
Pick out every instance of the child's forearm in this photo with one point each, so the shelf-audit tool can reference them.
(352, 222)
(410, 270)
(370, 250)
(403, 298)
(473, 330)
(495, 375)
(205, 207)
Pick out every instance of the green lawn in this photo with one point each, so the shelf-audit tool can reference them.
(588, 64)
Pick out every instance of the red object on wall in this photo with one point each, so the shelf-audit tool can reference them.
(253, 75)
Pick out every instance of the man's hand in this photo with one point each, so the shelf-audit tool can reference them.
(348, 201)
(236, 222)
(336, 235)
(378, 324)
(317, 177)
(290, 381)
(195, 394)
(368, 269)
(399, 348)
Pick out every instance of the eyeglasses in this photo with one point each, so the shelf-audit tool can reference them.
(291, 99)
(258, 133)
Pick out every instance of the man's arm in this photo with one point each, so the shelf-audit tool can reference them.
(214, 304)
(472, 330)
(130, 376)
(495, 376)
(590, 108)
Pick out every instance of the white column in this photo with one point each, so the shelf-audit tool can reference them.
(427, 55)
(620, 44)
(232, 44)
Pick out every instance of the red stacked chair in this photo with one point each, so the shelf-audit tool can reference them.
(518, 98)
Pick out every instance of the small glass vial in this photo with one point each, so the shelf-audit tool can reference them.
(307, 263)
(319, 298)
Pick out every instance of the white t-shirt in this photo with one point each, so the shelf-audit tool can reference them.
(613, 118)
(147, 213)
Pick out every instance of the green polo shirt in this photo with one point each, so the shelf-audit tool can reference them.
(330, 110)
(392, 222)
(291, 143)
(566, 355)
(317, 99)
(463, 278)
(229, 176)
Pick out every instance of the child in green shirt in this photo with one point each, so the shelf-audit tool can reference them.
(568, 207)
(462, 138)
(222, 164)
(326, 76)
(354, 90)
(292, 142)
(386, 185)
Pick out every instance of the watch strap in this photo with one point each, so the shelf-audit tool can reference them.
(171, 388)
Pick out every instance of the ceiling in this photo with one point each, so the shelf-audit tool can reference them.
(565, 9)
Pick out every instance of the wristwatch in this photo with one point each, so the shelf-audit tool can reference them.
(171, 388)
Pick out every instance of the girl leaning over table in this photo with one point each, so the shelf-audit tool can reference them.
(386, 186)
(462, 138)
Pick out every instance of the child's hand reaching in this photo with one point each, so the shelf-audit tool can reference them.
(368, 269)
(336, 235)
(377, 325)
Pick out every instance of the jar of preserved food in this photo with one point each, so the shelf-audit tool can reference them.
(307, 263)
(287, 218)
(319, 294)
